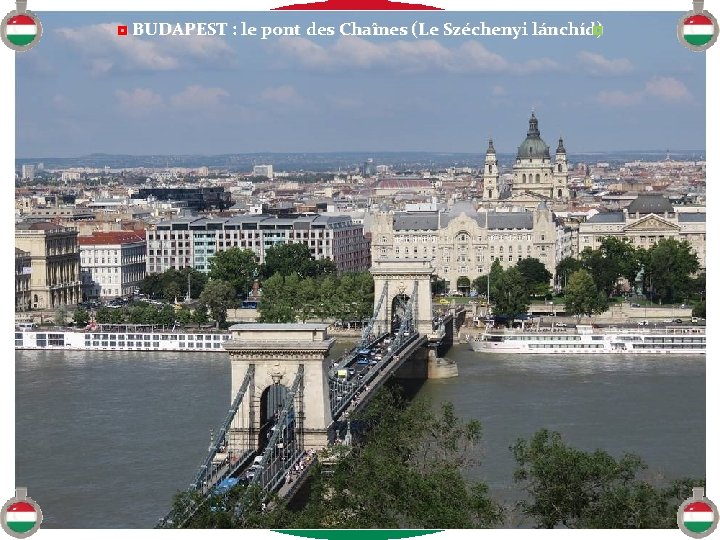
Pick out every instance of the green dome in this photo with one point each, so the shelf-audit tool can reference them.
(533, 146)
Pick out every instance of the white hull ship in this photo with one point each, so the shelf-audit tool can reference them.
(589, 340)
(113, 340)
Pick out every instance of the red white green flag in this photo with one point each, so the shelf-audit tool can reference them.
(698, 29)
(21, 30)
(21, 517)
(698, 516)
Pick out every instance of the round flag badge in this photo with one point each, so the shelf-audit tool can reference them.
(20, 30)
(697, 516)
(21, 516)
(697, 30)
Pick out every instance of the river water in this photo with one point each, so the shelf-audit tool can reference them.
(104, 439)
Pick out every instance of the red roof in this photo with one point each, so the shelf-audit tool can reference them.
(110, 238)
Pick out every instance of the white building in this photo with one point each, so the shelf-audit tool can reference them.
(112, 263)
(263, 170)
(193, 241)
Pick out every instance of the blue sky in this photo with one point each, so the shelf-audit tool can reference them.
(86, 90)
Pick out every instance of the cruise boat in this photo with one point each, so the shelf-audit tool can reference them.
(586, 339)
(115, 340)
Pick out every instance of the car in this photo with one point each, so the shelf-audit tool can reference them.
(678, 321)
(561, 324)
(643, 323)
(634, 305)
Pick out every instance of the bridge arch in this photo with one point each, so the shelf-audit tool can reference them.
(401, 276)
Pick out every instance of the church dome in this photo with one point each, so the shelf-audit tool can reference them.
(533, 146)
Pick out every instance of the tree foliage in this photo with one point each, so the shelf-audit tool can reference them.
(349, 297)
(173, 284)
(81, 316)
(565, 268)
(582, 297)
(535, 274)
(614, 259)
(577, 489)
(509, 293)
(236, 266)
(668, 267)
(287, 259)
(218, 296)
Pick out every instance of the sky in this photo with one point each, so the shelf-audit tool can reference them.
(85, 89)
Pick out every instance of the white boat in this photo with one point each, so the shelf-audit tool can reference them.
(129, 340)
(586, 339)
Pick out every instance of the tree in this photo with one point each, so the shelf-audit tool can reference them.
(566, 267)
(668, 270)
(277, 301)
(286, 259)
(582, 296)
(535, 274)
(61, 315)
(200, 315)
(614, 259)
(405, 473)
(463, 283)
(218, 296)
(578, 489)
(236, 266)
(81, 316)
(509, 294)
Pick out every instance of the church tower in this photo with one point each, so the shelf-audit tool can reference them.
(533, 171)
(560, 172)
(491, 191)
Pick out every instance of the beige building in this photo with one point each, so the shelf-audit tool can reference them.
(54, 261)
(464, 242)
(647, 219)
(22, 280)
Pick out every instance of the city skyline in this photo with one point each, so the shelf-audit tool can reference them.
(209, 95)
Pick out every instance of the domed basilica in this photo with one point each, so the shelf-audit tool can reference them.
(535, 177)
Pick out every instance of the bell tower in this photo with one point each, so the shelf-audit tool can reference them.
(491, 191)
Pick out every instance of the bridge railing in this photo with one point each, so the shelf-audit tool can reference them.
(206, 468)
(282, 449)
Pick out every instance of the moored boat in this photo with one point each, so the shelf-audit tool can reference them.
(586, 339)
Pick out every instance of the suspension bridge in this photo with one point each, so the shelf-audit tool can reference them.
(290, 400)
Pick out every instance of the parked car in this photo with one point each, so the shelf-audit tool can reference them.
(634, 305)
(678, 321)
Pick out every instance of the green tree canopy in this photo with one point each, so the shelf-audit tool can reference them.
(566, 267)
(535, 274)
(509, 294)
(236, 266)
(218, 296)
(668, 269)
(582, 297)
(81, 316)
(614, 259)
(577, 489)
(286, 259)
(173, 284)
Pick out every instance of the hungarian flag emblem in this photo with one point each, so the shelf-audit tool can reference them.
(21, 517)
(21, 30)
(698, 30)
(698, 517)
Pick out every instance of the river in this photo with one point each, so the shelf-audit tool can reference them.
(104, 439)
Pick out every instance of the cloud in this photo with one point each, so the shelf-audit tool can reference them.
(666, 89)
(139, 100)
(499, 90)
(106, 51)
(284, 94)
(597, 64)
(198, 97)
(618, 98)
(352, 52)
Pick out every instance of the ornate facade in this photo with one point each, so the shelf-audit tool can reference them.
(646, 220)
(55, 263)
(464, 242)
(535, 177)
